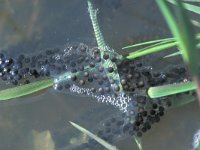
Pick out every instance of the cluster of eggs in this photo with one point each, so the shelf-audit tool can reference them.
(83, 70)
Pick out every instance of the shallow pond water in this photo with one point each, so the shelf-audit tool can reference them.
(41, 121)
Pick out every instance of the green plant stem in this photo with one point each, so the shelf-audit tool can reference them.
(148, 42)
(96, 138)
(185, 35)
(157, 48)
(170, 89)
(24, 90)
(190, 7)
(98, 34)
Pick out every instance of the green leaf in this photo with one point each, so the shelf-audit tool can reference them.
(173, 54)
(138, 142)
(166, 90)
(24, 90)
(195, 23)
(155, 48)
(160, 46)
(91, 135)
(183, 32)
(190, 7)
(178, 53)
(149, 42)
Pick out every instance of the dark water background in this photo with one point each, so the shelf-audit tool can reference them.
(30, 26)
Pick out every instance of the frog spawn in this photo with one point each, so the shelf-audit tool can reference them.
(28, 68)
(119, 126)
(78, 69)
(89, 77)
(142, 112)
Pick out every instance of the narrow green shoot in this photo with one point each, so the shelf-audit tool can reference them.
(24, 90)
(148, 42)
(190, 7)
(170, 89)
(155, 48)
(185, 35)
(173, 54)
(93, 136)
(138, 142)
(159, 46)
(178, 53)
(195, 23)
(183, 32)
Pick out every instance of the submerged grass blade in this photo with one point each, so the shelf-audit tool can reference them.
(195, 23)
(190, 7)
(183, 32)
(138, 142)
(166, 90)
(173, 54)
(153, 49)
(91, 135)
(185, 35)
(149, 42)
(24, 90)
(178, 53)
(160, 46)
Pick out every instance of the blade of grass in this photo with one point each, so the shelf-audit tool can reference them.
(191, 0)
(173, 54)
(183, 32)
(96, 138)
(156, 48)
(195, 23)
(166, 90)
(185, 35)
(165, 9)
(178, 53)
(24, 90)
(138, 142)
(153, 46)
(148, 42)
(190, 7)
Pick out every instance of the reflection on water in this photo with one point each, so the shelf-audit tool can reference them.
(27, 27)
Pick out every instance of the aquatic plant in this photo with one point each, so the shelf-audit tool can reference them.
(141, 94)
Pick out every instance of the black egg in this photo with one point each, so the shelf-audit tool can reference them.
(105, 56)
(110, 69)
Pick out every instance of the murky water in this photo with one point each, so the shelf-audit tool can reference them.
(41, 121)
